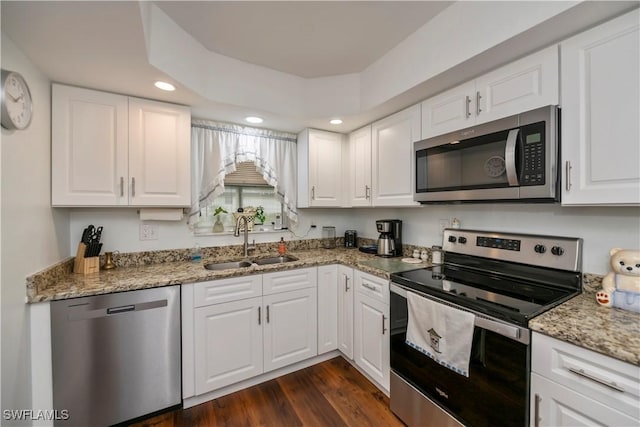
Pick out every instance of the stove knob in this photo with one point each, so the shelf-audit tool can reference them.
(557, 250)
(540, 249)
(452, 239)
(462, 240)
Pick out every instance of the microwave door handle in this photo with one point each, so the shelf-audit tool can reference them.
(510, 157)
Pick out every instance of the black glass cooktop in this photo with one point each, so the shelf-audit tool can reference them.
(510, 292)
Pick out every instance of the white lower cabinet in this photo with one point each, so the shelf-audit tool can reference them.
(228, 343)
(233, 329)
(371, 327)
(327, 308)
(290, 328)
(573, 386)
(345, 310)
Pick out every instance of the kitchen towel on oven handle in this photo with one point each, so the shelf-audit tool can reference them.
(443, 333)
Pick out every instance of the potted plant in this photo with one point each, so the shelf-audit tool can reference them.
(218, 227)
(260, 216)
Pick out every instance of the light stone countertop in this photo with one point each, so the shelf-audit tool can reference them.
(59, 283)
(585, 323)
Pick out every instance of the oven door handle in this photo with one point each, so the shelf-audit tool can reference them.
(510, 157)
(509, 331)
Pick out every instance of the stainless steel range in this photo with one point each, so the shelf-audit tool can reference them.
(504, 280)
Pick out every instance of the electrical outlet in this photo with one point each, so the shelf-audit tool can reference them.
(443, 223)
(148, 232)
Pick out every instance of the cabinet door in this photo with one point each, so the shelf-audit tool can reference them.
(327, 308)
(290, 328)
(345, 310)
(449, 111)
(600, 110)
(88, 147)
(392, 158)
(159, 154)
(555, 405)
(523, 85)
(228, 343)
(371, 336)
(360, 167)
(325, 168)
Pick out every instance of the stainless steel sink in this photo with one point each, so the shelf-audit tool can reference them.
(227, 265)
(248, 263)
(275, 260)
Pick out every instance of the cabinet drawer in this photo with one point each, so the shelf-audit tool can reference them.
(225, 290)
(375, 287)
(614, 383)
(290, 280)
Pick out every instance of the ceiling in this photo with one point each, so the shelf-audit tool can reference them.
(307, 39)
(113, 46)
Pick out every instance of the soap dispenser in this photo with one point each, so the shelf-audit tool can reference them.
(282, 248)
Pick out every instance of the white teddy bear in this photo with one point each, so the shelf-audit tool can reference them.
(621, 287)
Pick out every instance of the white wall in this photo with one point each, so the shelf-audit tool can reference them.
(33, 235)
(601, 227)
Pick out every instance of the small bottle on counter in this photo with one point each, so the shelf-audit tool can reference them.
(282, 248)
(196, 254)
(436, 255)
(455, 223)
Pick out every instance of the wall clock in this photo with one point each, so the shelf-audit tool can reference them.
(17, 105)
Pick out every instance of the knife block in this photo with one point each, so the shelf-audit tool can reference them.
(83, 265)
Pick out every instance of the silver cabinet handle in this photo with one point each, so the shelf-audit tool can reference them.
(383, 328)
(313, 192)
(468, 102)
(133, 186)
(259, 315)
(536, 411)
(368, 286)
(605, 383)
(478, 98)
(366, 192)
(568, 170)
(267, 314)
(346, 283)
(122, 186)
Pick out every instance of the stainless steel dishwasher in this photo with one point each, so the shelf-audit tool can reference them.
(116, 357)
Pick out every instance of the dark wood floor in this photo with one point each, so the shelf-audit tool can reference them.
(332, 393)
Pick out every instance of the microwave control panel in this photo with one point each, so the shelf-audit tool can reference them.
(533, 154)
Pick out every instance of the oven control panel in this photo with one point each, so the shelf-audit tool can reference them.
(545, 251)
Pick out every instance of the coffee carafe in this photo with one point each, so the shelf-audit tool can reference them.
(390, 239)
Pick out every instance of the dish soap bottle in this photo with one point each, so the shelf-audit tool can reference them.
(282, 248)
(196, 254)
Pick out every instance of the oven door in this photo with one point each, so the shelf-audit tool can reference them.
(494, 394)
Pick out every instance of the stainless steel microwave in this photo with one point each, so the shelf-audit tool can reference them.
(510, 159)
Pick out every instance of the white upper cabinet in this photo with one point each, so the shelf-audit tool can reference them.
(89, 147)
(392, 174)
(320, 169)
(112, 150)
(159, 154)
(360, 167)
(600, 111)
(522, 85)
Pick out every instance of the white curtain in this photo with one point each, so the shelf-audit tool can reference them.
(216, 149)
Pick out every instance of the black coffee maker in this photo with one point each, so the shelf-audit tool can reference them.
(390, 239)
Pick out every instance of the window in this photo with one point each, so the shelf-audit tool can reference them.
(243, 188)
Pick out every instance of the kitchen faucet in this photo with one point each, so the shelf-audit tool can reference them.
(236, 233)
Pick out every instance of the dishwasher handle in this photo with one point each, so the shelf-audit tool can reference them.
(113, 311)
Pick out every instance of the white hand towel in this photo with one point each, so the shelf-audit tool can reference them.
(443, 333)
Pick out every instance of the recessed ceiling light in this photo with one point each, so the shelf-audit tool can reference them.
(254, 119)
(335, 121)
(164, 86)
